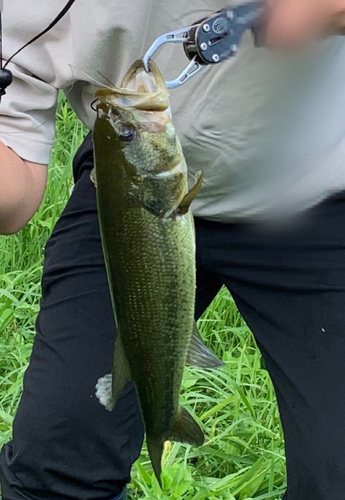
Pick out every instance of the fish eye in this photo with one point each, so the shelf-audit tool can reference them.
(126, 132)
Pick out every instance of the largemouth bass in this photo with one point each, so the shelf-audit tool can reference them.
(148, 241)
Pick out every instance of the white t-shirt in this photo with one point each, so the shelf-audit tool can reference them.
(267, 132)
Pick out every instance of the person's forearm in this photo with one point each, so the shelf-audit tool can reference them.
(295, 22)
(22, 186)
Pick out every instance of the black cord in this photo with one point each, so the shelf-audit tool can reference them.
(51, 25)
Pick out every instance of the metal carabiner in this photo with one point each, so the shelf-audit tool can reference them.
(182, 36)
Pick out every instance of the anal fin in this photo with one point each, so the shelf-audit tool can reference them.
(110, 387)
(93, 177)
(104, 391)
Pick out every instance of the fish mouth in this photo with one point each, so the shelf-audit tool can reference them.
(140, 90)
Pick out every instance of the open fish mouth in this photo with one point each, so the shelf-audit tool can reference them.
(139, 90)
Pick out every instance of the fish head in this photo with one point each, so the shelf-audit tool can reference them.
(136, 126)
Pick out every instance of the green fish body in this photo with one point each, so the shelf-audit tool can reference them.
(148, 241)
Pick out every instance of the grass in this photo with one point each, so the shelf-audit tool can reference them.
(243, 457)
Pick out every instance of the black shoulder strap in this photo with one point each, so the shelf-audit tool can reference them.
(51, 25)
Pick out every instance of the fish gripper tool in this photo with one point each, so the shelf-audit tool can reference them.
(211, 40)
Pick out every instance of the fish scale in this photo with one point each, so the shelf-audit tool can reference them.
(154, 294)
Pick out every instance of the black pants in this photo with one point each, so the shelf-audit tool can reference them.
(289, 286)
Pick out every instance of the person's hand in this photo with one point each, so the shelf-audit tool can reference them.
(292, 23)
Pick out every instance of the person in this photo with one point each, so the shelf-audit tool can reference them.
(268, 133)
(294, 22)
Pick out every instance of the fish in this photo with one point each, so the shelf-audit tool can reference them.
(148, 240)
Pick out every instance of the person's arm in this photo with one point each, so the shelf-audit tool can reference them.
(22, 186)
(295, 22)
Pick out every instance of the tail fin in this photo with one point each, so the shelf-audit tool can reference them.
(156, 451)
(186, 430)
(183, 430)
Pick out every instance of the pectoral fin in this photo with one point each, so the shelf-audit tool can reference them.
(189, 198)
(109, 388)
(199, 355)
